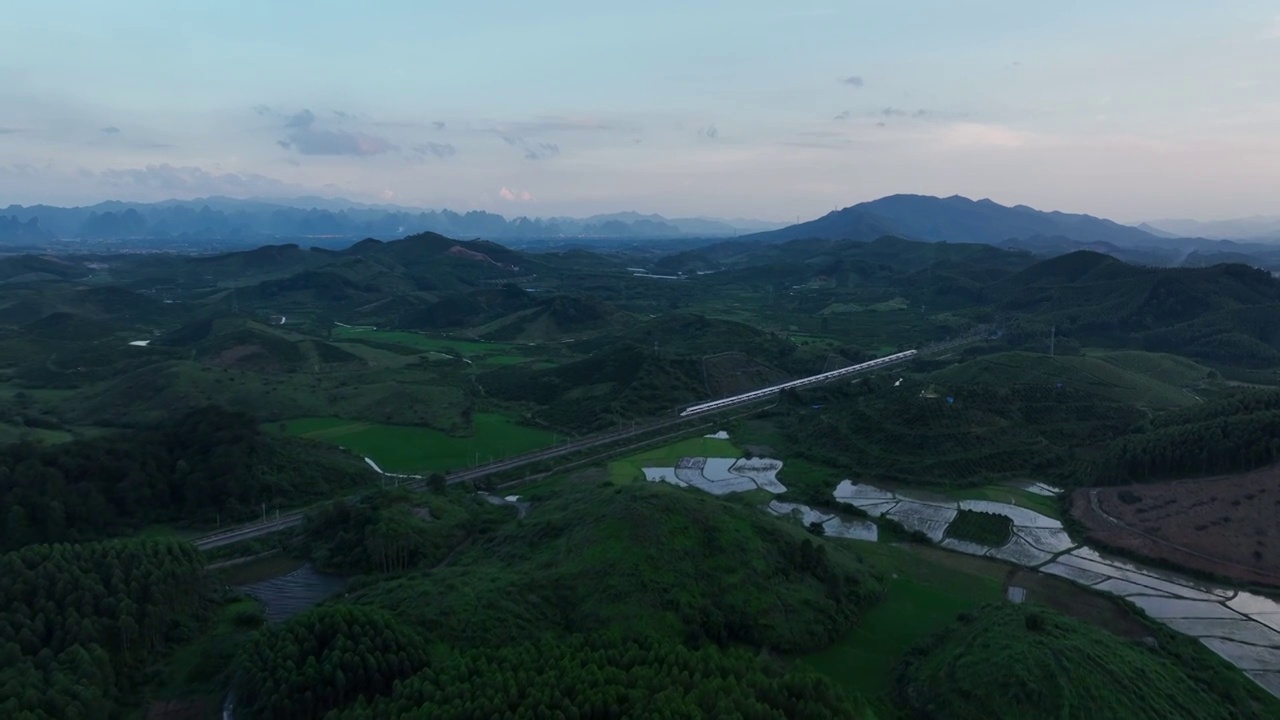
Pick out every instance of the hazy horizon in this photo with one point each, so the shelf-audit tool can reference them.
(734, 110)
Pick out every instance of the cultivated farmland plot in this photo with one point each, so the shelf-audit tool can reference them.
(857, 494)
(1268, 680)
(721, 476)
(1042, 489)
(807, 514)
(1155, 585)
(1022, 517)
(1073, 573)
(1242, 655)
(921, 512)
(964, 546)
(852, 529)
(1166, 607)
(832, 525)
(1242, 628)
(1020, 552)
(288, 595)
(1050, 540)
(878, 509)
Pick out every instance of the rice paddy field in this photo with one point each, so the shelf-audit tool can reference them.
(632, 468)
(410, 449)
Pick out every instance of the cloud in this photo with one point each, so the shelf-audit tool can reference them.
(109, 130)
(533, 150)
(548, 124)
(10, 131)
(853, 81)
(185, 180)
(512, 196)
(709, 132)
(842, 116)
(440, 150)
(1273, 30)
(437, 125)
(48, 183)
(302, 118)
(919, 114)
(305, 138)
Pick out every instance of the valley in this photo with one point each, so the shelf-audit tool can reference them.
(835, 453)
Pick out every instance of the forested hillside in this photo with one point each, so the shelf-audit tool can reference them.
(604, 676)
(605, 560)
(79, 624)
(206, 464)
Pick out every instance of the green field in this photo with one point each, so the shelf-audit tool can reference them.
(409, 449)
(926, 591)
(631, 468)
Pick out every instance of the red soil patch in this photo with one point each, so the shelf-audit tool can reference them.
(240, 355)
(1223, 525)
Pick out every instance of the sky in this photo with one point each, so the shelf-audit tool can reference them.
(1134, 110)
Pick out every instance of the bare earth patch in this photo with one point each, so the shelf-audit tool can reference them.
(238, 355)
(1224, 525)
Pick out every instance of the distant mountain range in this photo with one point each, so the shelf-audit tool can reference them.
(956, 219)
(255, 219)
(1262, 228)
(959, 219)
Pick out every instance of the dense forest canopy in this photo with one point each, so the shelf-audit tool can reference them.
(80, 623)
(203, 465)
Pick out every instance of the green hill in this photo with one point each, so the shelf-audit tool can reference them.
(624, 382)
(1012, 662)
(149, 393)
(194, 469)
(1104, 376)
(16, 268)
(641, 559)
(556, 318)
(955, 433)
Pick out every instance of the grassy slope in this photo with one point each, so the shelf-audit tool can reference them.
(400, 448)
(926, 591)
(1014, 662)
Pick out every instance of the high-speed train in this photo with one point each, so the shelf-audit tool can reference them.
(757, 394)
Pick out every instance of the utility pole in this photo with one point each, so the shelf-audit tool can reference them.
(1053, 336)
(264, 513)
